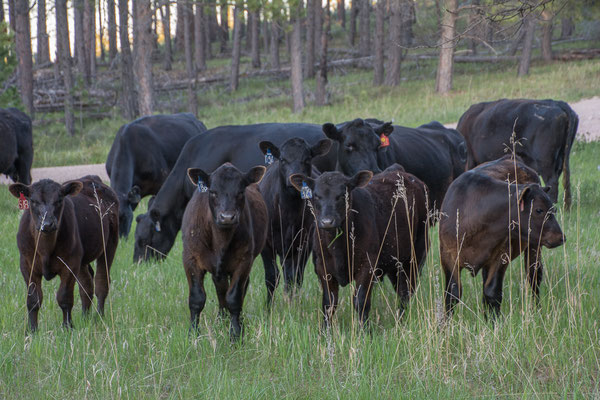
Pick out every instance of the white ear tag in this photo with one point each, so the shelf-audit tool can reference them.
(305, 192)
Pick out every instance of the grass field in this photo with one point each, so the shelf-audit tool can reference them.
(142, 348)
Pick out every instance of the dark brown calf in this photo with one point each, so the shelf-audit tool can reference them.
(224, 230)
(367, 229)
(489, 219)
(61, 234)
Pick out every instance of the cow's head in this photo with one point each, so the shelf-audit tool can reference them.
(46, 201)
(295, 157)
(538, 223)
(153, 238)
(127, 204)
(329, 195)
(360, 143)
(226, 191)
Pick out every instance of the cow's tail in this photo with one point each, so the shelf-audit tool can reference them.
(573, 123)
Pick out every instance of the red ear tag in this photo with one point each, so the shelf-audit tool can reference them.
(23, 203)
(522, 205)
(385, 141)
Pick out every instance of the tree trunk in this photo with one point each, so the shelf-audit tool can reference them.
(529, 27)
(265, 35)
(224, 26)
(341, 13)
(407, 11)
(547, 35)
(112, 29)
(475, 22)
(64, 61)
(235, 54)
(514, 46)
(248, 33)
(353, 14)
(43, 49)
(12, 16)
(165, 16)
(395, 45)
(129, 104)
(143, 59)
(78, 6)
(89, 29)
(179, 28)
(296, 61)
(443, 81)
(24, 56)
(321, 92)
(189, 57)
(208, 23)
(566, 27)
(364, 46)
(199, 43)
(1, 11)
(310, 39)
(379, 42)
(318, 28)
(254, 30)
(274, 50)
(100, 31)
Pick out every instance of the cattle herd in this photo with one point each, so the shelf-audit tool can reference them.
(359, 197)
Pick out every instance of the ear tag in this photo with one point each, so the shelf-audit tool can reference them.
(157, 226)
(522, 205)
(23, 202)
(269, 159)
(201, 186)
(385, 141)
(305, 192)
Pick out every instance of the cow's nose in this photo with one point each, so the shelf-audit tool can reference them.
(327, 223)
(228, 217)
(48, 226)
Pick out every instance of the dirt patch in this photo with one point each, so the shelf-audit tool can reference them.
(589, 130)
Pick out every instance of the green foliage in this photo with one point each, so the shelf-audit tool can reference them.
(9, 96)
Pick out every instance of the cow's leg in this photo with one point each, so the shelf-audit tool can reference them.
(103, 265)
(567, 179)
(23, 167)
(197, 297)
(86, 287)
(492, 289)
(330, 299)
(235, 300)
(271, 273)
(453, 289)
(362, 296)
(221, 286)
(400, 281)
(535, 270)
(34, 293)
(64, 296)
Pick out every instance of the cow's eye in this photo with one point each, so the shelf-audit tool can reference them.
(539, 211)
(350, 148)
(213, 194)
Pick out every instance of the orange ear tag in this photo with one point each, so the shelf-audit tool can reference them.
(385, 141)
(23, 202)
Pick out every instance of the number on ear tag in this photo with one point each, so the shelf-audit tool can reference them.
(269, 159)
(385, 141)
(305, 193)
(23, 202)
(201, 186)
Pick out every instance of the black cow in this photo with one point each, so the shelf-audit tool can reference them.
(142, 156)
(544, 132)
(289, 218)
(16, 151)
(432, 153)
(224, 230)
(156, 230)
(365, 231)
(490, 218)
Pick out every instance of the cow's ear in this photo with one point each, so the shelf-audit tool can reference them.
(360, 179)
(195, 174)
(322, 147)
(386, 128)
(17, 188)
(332, 132)
(134, 196)
(71, 188)
(255, 174)
(297, 179)
(265, 145)
(524, 193)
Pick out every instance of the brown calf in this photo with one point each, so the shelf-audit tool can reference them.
(61, 234)
(224, 230)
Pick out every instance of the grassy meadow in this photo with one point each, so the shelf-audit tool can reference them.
(142, 349)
